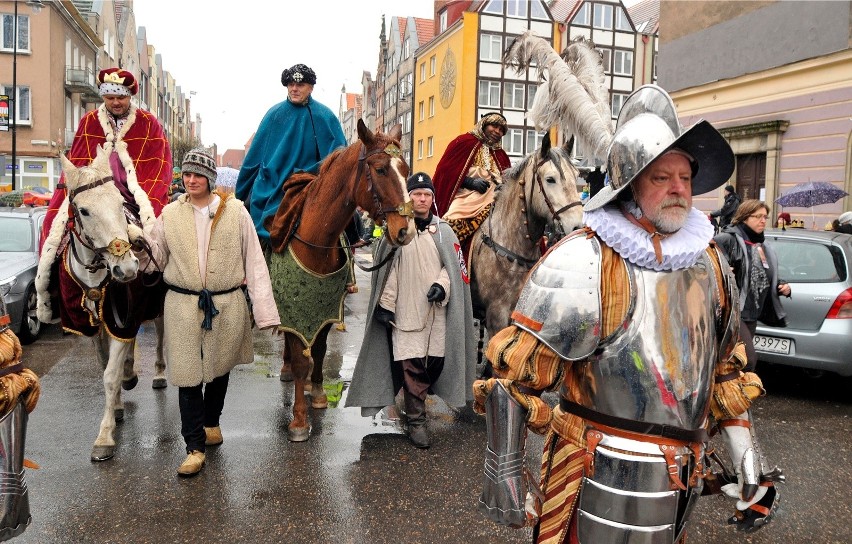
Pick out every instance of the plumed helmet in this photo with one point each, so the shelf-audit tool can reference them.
(647, 128)
(298, 73)
(117, 81)
(201, 162)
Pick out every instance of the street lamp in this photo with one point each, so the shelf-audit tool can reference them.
(36, 6)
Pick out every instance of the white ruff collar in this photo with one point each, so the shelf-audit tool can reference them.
(680, 250)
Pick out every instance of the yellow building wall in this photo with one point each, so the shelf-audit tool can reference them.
(447, 123)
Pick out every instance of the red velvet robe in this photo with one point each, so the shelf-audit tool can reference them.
(147, 146)
(454, 165)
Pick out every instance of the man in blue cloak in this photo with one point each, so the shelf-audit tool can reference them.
(294, 136)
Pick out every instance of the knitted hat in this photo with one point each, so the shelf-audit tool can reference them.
(298, 73)
(420, 180)
(845, 217)
(200, 162)
(116, 81)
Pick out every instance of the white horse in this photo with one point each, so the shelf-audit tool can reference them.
(99, 260)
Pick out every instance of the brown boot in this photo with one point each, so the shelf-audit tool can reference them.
(415, 411)
(213, 436)
(192, 465)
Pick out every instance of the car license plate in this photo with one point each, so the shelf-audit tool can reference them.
(772, 345)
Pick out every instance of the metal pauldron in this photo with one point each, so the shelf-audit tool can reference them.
(560, 303)
(506, 497)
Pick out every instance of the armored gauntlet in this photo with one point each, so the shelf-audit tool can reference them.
(506, 495)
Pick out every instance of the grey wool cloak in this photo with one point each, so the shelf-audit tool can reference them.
(372, 385)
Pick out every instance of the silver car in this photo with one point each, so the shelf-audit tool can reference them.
(19, 234)
(818, 336)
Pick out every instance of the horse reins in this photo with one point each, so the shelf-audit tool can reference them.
(505, 252)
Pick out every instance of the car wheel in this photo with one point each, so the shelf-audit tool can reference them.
(30, 325)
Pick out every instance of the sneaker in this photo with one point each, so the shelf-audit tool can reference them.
(192, 465)
(213, 436)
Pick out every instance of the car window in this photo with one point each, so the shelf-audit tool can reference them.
(807, 262)
(16, 234)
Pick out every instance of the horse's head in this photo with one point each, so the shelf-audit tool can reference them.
(551, 192)
(380, 188)
(99, 220)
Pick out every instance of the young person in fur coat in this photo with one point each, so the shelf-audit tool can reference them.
(206, 245)
(419, 324)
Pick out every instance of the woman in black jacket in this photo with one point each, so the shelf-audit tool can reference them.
(755, 268)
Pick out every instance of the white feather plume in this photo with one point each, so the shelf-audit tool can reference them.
(570, 95)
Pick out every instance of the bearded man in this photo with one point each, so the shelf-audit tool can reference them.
(467, 175)
(138, 149)
(635, 320)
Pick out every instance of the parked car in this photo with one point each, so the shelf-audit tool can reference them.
(818, 335)
(19, 235)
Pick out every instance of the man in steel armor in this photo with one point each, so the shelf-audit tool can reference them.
(634, 320)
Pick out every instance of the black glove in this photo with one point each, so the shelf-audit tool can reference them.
(383, 316)
(436, 293)
(476, 184)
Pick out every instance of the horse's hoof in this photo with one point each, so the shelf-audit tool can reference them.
(286, 374)
(102, 453)
(119, 415)
(298, 434)
(319, 402)
(159, 383)
(130, 383)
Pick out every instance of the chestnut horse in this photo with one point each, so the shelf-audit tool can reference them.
(370, 174)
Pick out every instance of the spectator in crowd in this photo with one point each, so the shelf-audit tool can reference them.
(724, 214)
(843, 223)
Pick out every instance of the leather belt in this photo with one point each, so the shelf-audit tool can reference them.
(632, 425)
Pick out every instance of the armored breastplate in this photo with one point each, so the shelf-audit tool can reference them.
(659, 367)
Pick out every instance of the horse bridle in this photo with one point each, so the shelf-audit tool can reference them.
(116, 247)
(405, 209)
(507, 253)
(554, 213)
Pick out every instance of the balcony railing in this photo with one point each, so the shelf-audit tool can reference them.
(80, 80)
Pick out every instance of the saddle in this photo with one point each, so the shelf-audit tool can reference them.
(283, 224)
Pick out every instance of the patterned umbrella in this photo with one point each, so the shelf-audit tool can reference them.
(811, 193)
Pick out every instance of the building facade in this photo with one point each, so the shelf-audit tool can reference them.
(786, 107)
(61, 47)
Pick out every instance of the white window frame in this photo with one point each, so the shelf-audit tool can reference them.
(532, 90)
(419, 149)
(23, 31)
(442, 21)
(430, 146)
(432, 63)
(491, 91)
(490, 47)
(421, 107)
(583, 16)
(534, 139)
(406, 48)
(517, 9)
(494, 6)
(537, 10)
(431, 106)
(616, 103)
(622, 62)
(27, 105)
(513, 95)
(602, 16)
(606, 58)
(622, 22)
(406, 122)
(513, 141)
(422, 72)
